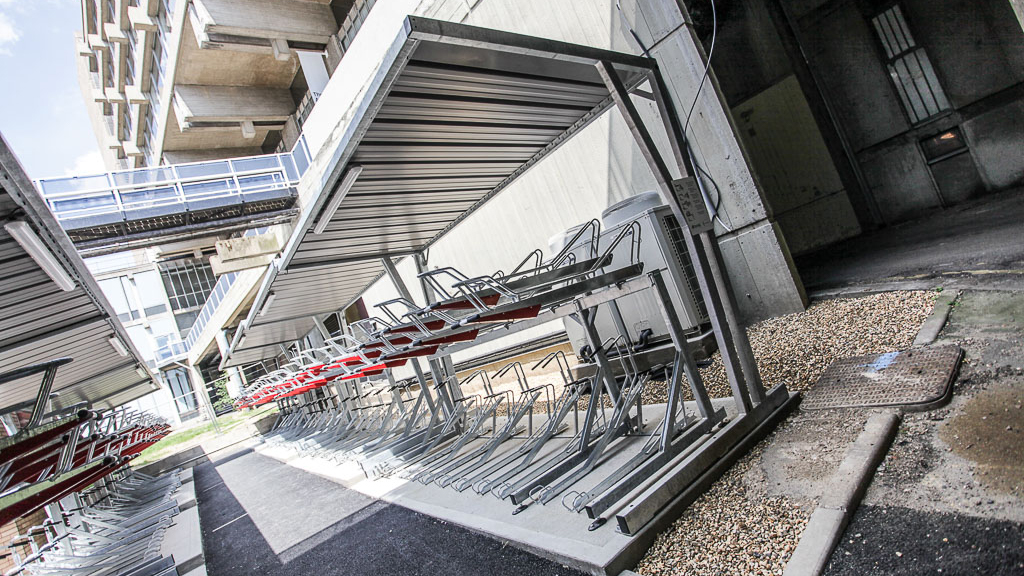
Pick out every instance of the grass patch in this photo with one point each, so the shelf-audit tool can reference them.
(189, 437)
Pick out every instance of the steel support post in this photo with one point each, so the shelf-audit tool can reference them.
(447, 367)
(709, 286)
(403, 291)
(684, 161)
(42, 396)
(322, 328)
(586, 319)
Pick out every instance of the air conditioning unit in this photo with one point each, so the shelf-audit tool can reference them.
(662, 247)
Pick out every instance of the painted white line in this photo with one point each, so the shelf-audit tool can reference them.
(229, 522)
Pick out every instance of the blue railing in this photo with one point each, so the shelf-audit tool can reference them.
(127, 190)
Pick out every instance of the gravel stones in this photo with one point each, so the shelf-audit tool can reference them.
(730, 529)
(797, 348)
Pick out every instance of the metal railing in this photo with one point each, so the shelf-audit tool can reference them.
(175, 185)
(220, 289)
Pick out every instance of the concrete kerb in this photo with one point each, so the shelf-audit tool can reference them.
(931, 327)
(842, 496)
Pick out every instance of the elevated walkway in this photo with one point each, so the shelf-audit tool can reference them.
(148, 206)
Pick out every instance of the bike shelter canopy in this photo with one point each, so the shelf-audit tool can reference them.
(453, 115)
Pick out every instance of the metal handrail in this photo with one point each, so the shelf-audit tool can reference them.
(175, 184)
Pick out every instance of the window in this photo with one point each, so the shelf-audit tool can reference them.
(111, 73)
(909, 67)
(122, 297)
(134, 298)
(126, 121)
(181, 389)
(188, 283)
(129, 58)
(151, 293)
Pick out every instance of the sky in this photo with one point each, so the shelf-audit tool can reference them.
(42, 113)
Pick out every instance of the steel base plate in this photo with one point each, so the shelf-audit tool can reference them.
(918, 378)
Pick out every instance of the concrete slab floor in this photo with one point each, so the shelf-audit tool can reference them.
(549, 530)
(261, 516)
(972, 245)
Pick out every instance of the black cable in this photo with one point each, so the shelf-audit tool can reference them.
(707, 65)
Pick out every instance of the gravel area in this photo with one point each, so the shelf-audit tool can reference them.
(731, 529)
(743, 525)
(795, 349)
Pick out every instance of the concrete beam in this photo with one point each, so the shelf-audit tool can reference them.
(203, 155)
(281, 50)
(249, 246)
(248, 129)
(230, 104)
(220, 267)
(237, 23)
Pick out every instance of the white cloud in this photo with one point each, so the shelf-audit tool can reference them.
(86, 164)
(9, 34)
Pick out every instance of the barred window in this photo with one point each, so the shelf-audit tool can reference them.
(909, 67)
(188, 282)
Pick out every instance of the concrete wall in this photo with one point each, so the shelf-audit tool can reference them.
(799, 179)
(977, 56)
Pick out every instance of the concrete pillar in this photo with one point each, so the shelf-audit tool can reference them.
(765, 280)
(236, 381)
(203, 395)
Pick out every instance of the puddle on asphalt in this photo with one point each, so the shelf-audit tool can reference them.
(990, 432)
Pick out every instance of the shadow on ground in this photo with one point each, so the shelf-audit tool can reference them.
(260, 516)
(974, 242)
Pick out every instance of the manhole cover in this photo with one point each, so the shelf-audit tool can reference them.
(921, 376)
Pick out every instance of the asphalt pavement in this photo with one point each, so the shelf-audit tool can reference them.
(971, 244)
(900, 541)
(260, 516)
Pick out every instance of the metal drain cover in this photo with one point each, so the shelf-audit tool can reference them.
(920, 377)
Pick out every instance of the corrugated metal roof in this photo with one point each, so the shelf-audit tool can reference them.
(459, 113)
(40, 322)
